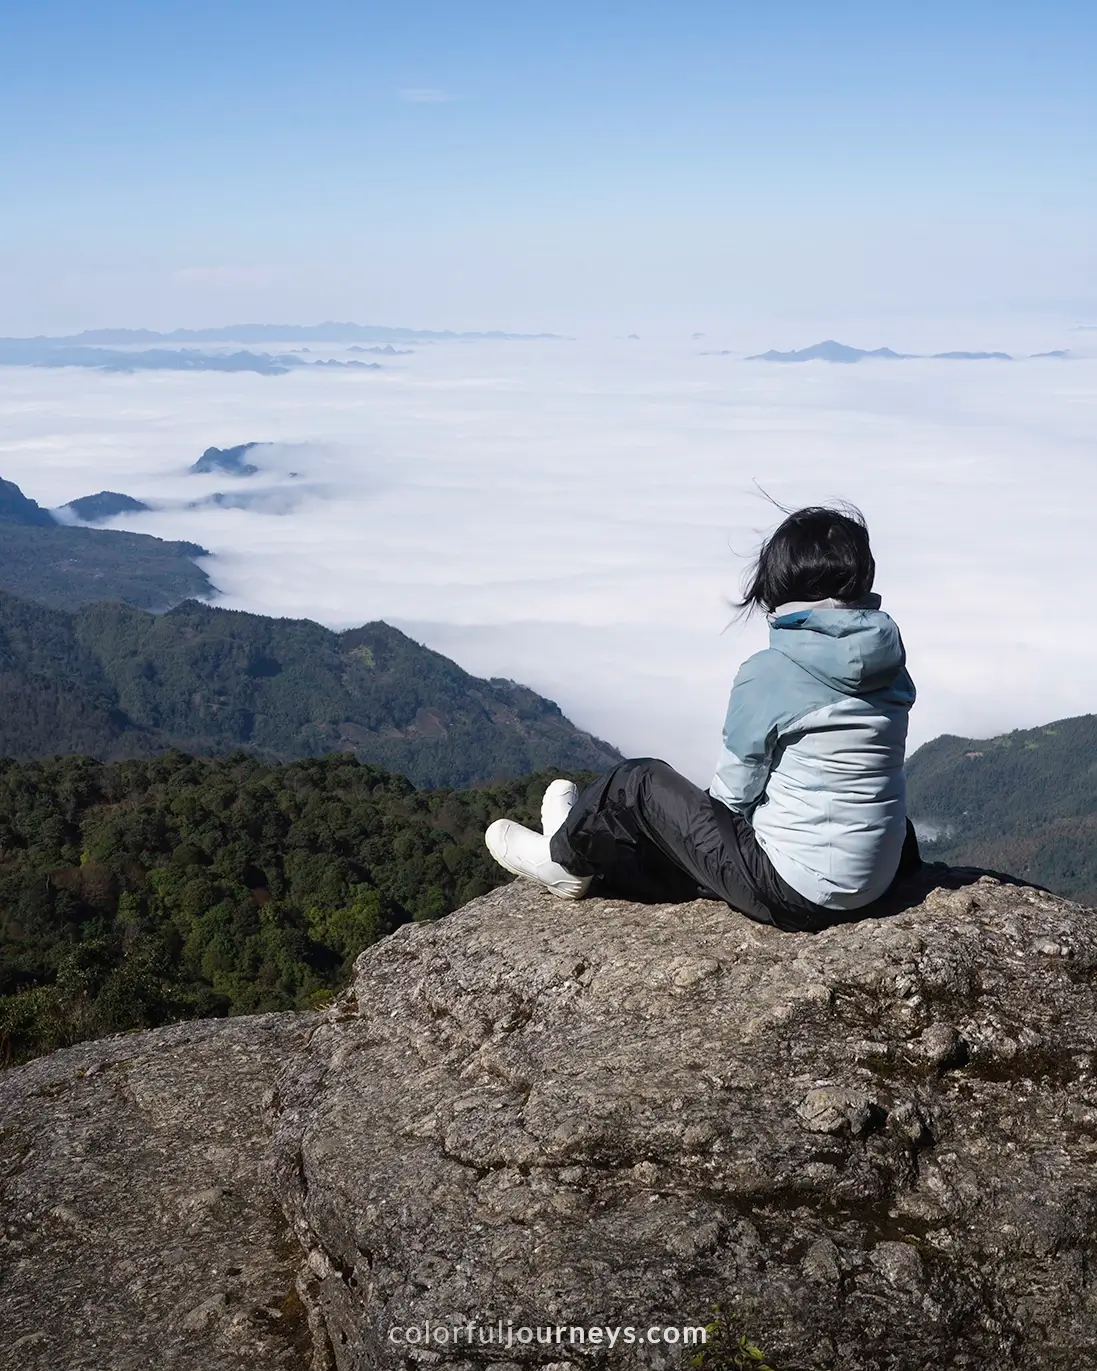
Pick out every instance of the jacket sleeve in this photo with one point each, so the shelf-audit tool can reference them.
(750, 736)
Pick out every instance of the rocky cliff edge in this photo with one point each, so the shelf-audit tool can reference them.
(873, 1146)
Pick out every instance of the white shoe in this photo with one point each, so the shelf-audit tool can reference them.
(557, 805)
(523, 852)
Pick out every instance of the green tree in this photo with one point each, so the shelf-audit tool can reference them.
(141, 892)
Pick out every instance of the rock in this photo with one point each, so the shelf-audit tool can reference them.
(137, 1228)
(899, 1262)
(821, 1263)
(940, 1046)
(560, 1114)
(207, 1314)
(874, 1148)
(828, 1109)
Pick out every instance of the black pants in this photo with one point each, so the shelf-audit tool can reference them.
(648, 834)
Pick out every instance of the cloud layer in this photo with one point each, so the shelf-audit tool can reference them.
(578, 516)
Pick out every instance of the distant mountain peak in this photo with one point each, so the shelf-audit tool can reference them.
(17, 508)
(827, 351)
(228, 460)
(972, 357)
(94, 509)
(832, 351)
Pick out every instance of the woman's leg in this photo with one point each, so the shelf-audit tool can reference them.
(650, 834)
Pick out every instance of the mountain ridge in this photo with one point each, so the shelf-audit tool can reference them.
(65, 565)
(34, 352)
(17, 508)
(113, 681)
(329, 331)
(832, 351)
(1023, 801)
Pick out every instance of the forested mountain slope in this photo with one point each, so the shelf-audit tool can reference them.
(1024, 802)
(112, 681)
(66, 567)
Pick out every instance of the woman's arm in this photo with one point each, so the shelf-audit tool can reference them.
(750, 735)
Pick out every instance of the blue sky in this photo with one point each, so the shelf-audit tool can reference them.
(531, 165)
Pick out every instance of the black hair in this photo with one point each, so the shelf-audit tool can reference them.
(815, 554)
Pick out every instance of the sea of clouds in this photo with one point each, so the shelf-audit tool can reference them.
(578, 516)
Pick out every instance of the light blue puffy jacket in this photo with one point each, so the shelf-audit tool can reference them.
(814, 743)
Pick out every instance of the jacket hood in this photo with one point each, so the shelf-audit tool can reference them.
(852, 649)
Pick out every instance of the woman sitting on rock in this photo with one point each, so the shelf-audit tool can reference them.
(805, 819)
